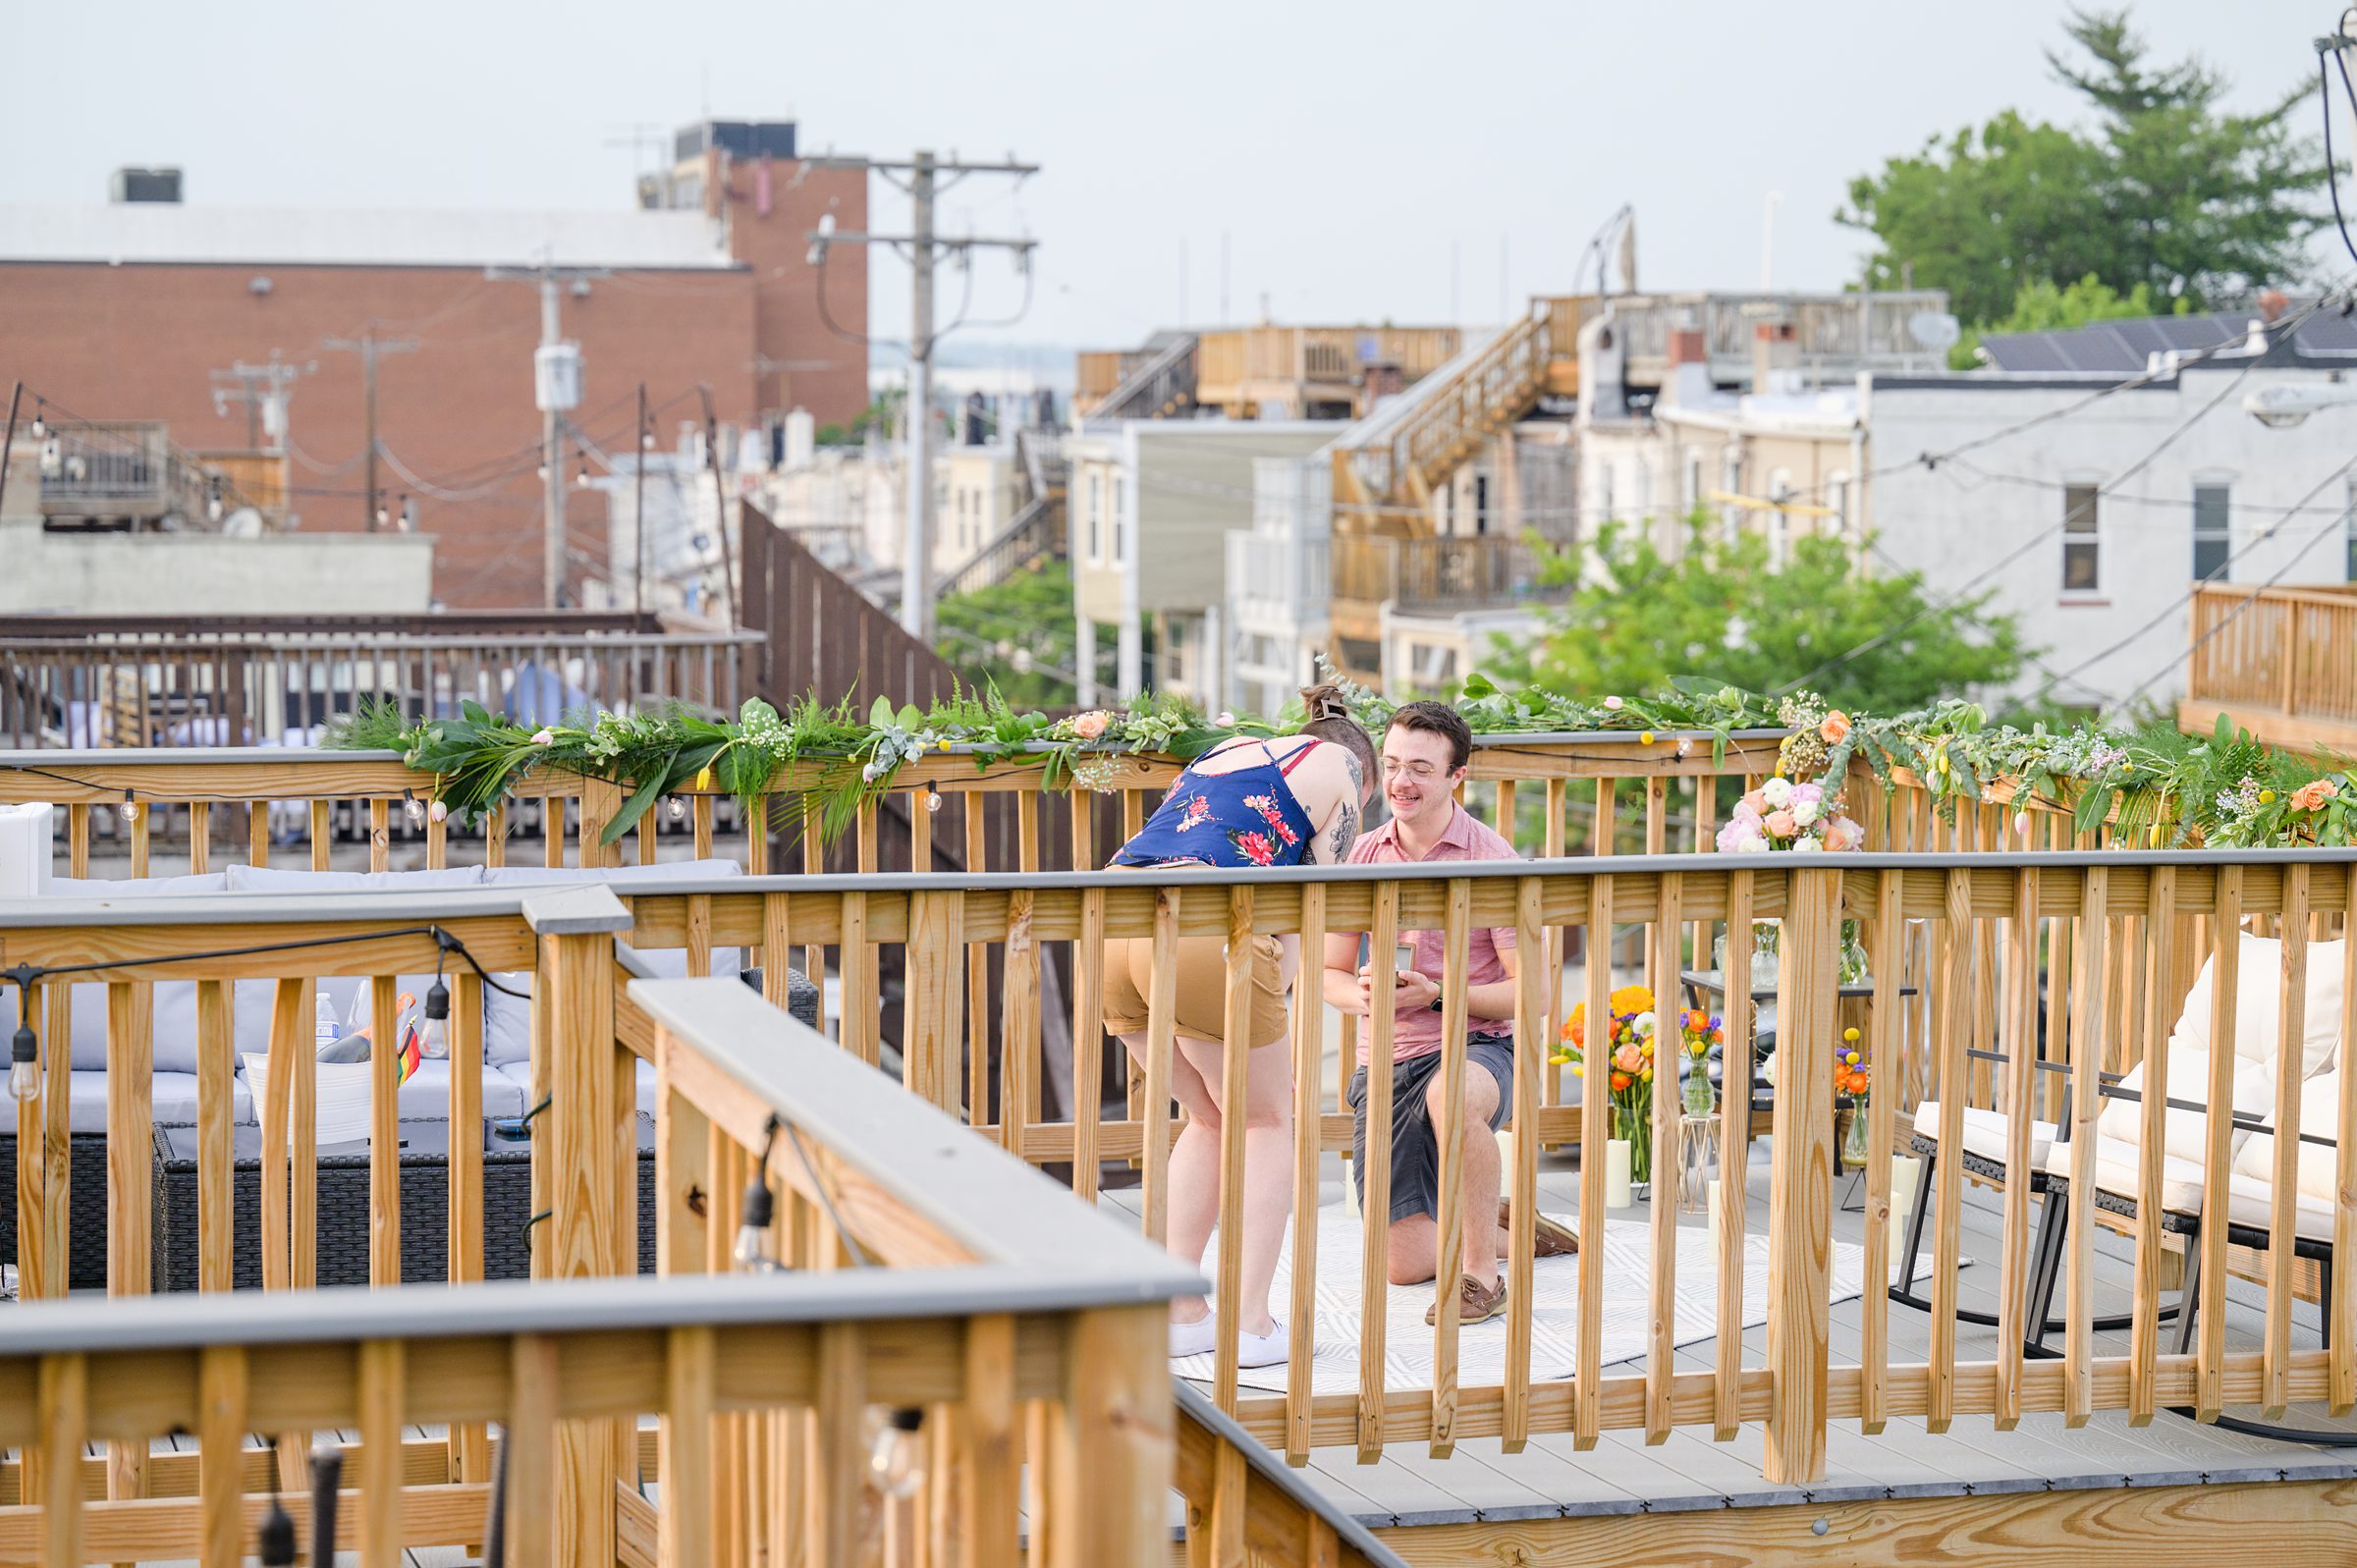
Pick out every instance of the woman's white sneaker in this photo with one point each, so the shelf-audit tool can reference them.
(1262, 1350)
(1197, 1338)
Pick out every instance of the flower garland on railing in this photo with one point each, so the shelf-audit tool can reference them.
(2156, 786)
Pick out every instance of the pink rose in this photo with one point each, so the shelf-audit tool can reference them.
(1090, 725)
(1843, 834)
(1752, 804)
(1781, 823)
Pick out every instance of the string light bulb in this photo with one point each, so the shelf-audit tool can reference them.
(40, 422)
(24, 1057)
(896, 1454)
(932, 795)
(128, 809)
(758, 1214)
(678, 808)
(433, 1041)
(412, 808)
(274, 1541)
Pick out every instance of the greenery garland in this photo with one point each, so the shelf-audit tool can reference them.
(2155, 784)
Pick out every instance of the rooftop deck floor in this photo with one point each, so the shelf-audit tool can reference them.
(1622, 1475)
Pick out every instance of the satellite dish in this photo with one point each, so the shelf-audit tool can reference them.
(1935, 330)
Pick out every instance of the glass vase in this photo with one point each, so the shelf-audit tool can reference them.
(1854, 1143)
(1634, 1125)
(1697, 1143)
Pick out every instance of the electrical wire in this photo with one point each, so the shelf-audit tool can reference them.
(2323, 83)
(2179, 603)
(29, 974)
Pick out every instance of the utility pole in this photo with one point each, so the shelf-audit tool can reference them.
(263, 390)
(639, 511)
(720, 509)
(924, 184)
(368, 346)
(556, 386)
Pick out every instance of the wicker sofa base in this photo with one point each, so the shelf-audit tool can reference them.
(343, 1216)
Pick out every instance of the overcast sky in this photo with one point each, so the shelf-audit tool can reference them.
(1384, 160)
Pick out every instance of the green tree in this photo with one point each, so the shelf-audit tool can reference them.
(1020, 635)
(2168, 189)
(2041, 306)
(1637, 619)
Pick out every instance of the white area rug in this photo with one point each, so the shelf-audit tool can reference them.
(1555, 1322)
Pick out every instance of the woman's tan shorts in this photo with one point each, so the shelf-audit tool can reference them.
(1202, 986)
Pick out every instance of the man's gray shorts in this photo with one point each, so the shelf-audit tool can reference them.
(1416, 1145)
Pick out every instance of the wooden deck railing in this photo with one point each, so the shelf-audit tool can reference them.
(60, 690)
(1010, 1324)
(2280, 662)
(1987, 920)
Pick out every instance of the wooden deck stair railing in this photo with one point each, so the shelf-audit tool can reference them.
(1159, 388)
(1391, 480)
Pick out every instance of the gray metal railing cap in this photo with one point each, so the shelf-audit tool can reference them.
(375, 907)
(575, 909)
(1472, 870)
(941, 1171)
(1198, 1408)
(183, 756)
(544, 1306)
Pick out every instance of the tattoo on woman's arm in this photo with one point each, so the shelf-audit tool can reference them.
(1346, 829)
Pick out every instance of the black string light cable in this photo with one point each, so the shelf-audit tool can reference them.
(758, 1212)
(24, 1075)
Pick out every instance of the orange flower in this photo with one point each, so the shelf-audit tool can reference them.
(1621, 1080)
(2311, 796)
(1835, 727)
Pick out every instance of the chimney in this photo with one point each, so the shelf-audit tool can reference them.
(144, 184)
(1689, 383)
(1775, 353)
(2271, 304)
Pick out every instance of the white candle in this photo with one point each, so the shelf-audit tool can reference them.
(1906, 1171)
(1615, 1174)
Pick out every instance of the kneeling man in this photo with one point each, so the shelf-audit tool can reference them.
(1425, 751)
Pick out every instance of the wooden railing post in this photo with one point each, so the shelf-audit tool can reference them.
(1800, 1235)
(579, 1144)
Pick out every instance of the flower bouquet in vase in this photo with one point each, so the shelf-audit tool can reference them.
(1852, 1078)
(1625, 1042)
(1698, 1137)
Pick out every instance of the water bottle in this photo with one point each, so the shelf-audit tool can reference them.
(323, 1028)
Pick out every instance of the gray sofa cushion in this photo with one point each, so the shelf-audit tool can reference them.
(174, 1102)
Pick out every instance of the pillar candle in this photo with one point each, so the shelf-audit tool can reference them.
(1906, 1171)
(1615, 1174)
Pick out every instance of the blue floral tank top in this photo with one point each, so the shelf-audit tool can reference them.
(1245, 817)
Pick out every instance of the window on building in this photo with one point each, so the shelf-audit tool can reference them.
(1836, 503)
(1731, 469)
(1693, 495)
(2212, 530)
(1120, 521)
(1780, 521)
(2348, 526)
(1096, 514)
(1481, 502)
(2082, 543)
(1603, 492)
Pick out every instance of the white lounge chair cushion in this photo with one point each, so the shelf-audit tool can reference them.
(2320, 1116)
(2258, 991)
(2116, 1173)
(1986, 1133)
(643, 1083)
(2185, 1133)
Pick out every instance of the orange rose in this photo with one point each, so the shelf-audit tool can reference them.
(2311, 796)
(1090, 725)
(1835, 727)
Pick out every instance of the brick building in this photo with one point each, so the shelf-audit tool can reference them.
(123, 311)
